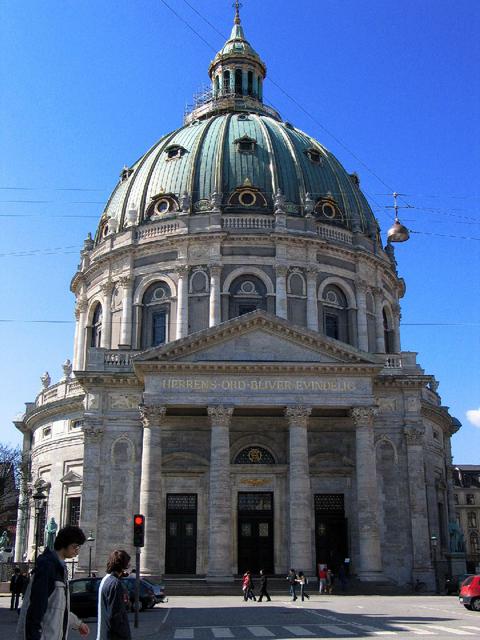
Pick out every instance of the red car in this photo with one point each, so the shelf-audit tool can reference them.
(470, 593)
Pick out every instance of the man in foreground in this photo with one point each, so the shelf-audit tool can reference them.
(45, 613)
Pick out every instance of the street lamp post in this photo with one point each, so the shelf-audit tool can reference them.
(39, 498)
(90, 539)
(434, 541)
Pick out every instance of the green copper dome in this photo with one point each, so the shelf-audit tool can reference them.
(235, 155)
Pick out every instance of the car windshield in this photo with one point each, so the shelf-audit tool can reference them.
(467, 581)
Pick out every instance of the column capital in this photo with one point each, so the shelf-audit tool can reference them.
(152, 415)
(215, 269)
(107, 287)
(220, 415)
(182, 270)
(363, 416)
(126, 281)
(81, 306)
(298, 416)
(281, 269)
(414, 434)
(362, 286)
(93, 430)
(312, 271)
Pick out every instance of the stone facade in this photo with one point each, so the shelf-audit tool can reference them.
(238, 375)
(466, 498)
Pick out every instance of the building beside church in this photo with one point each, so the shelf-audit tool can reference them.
(467, 506)
(237, 370)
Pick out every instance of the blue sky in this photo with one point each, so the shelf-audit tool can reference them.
(391, 88)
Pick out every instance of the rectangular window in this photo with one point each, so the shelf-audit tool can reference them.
(73, 511)
(76, 424)
(331, 326)
(470, 498)
(159, 328)
(455, 498)
(47, 432)
(472, 519)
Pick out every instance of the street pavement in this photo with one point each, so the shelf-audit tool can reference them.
(339, 617)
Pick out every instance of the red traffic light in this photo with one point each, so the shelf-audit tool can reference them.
(138, 530)
(139, 520)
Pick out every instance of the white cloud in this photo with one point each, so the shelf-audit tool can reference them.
(473, 416)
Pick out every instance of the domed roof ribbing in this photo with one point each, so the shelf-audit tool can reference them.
(237, 153)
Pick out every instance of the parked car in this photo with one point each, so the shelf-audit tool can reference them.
(146, 596)
(84, 597)
(453, 583)
(470, 593)
(158, 589)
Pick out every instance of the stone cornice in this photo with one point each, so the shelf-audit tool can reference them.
(439, 415)
(96, 379)
(52, 409)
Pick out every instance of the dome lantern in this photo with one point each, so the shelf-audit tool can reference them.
(237, 70)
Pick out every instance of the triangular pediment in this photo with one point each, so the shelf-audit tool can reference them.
(71, 478)
(257, 337)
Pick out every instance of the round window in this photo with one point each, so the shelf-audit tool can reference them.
(332, 297)
(247, 198)
(328, 210)
(159, 293)
(162, 206)
(105, 230)
(247, 287)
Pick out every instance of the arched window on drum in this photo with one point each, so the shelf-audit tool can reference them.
(96, 329)
(335, 316)
(388, 331)
(156, 305)
(247, 293)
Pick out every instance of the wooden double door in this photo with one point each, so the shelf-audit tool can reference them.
(255, 532)
(181, 534)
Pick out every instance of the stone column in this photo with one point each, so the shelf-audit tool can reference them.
(362, 330)
(300, 499)
(312, 302)
(215, 311)
(126, 328)
(80, 334)
(219, 503)
(92, 463)
(379, 327)
(151, 503)
(370, 565)
(397, 315)
(422, 567)
(281, 292)
(22, 512)
(182, 302)
(106, 338)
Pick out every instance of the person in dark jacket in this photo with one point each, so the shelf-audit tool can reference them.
(292, 583)
(112, 612)
(16, 588)
(263, 587)
(45, 613)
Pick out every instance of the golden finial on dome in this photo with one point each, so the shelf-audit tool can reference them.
(237, 6)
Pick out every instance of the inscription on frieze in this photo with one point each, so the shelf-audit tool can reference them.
(207, 384)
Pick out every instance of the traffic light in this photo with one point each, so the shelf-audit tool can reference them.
(138, 530)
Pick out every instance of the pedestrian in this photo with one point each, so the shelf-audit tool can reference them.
(45, 613)
(263, 587)
(302, 581)
(247, 586)
(16, 588)
(330, 581)
(322, 578)
(113, 621)
(292, 583)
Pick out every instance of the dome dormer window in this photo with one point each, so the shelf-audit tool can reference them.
(175, 151)
(314, 155)
(162, 204)
(126, 173)
(246, 144)
(327, 210)
(247, 196)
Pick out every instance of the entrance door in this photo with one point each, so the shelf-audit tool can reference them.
(181, 534)
(255, 532)
(331, 532)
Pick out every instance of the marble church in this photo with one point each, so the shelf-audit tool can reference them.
(237, 374)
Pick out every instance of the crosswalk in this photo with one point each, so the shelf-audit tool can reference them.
(308, 631)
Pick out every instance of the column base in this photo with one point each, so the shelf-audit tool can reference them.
(223, 578)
